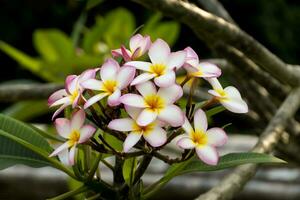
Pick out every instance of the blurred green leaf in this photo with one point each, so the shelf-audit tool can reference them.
(128, 170)
(168, 31)
(53, 44)
(92, 3)
(196, 165)
(214, 111)
(27, 110)
(17, 144)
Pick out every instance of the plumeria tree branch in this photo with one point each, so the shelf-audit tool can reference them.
(212, 28)
(235, 181)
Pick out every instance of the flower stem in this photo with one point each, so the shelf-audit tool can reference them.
(77, 191)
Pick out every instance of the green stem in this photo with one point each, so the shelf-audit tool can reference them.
(142, 168)
(77, 191)
(94, 167)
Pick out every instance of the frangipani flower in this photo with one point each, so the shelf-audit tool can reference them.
(138, 46)
(156, 104)
(114, 79)
(229, 97)
(72, 92)
(162, 65)
(152, 133)
(202, 140)
(199, 69)
(75, 132)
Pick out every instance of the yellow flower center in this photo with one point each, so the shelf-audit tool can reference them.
(199, 138)
(74, 95)
(158, 69)
(154, 102)
(222, 93)
(109, 86)
(143, 129)
(73, 137)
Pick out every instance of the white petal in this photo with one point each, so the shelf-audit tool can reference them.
(208, 154)
(114, 98)
(170, 94)
(125, 76)
(133, 112)
(87, 74)
(63, 127)
(59, 110)
(135, 42)
(131, 140)
(72, 155)
(172, 115)
(145, 45)
(124, 124)
(147, 88)
(187, 126)
(214, 93)
(216, 137)
(64, 100)
(156, 137)
(109, 70)
(186, 143)
(191, 56)
(133, 100)
(77, 120)
(159, 52)
(94, 99)
(214, 83)
(209, 70)
(146, 117)
(56, 96)
(71, 83)
(232, 92)
(60, 149)
(200, 121)
(144, 66)
(235, 105)
(92, 84)
(142, 78)
(86, 132)
(176, 59)
(165, 80)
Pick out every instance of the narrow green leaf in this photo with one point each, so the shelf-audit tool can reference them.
(214, 111)
(128, 170)
(92, 3)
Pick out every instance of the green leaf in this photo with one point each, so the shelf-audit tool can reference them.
(168, 31)
(119, 26)
(214, 111)
(92, 3)
(128, 170)
(53, 44)
(27, 110)
(23, 59)
(196, 165)
(12, 152)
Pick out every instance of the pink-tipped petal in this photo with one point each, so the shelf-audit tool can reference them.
(86, 132)
(142, 78)
(135, 42)
(125, 76)
(87, 74)
(141, 65)
(113, 99)
(191, 56)
(156, 137)
(165, 80)
(59, 149)
(170, 94)
(72, 154)
(76, 100)
(214, 83)
(172, 115)
(159, 52)
(176, 59)
(146, 117)
(186, 143)
(64, 100)
(209, 70)
(208, 154)
(200, 121)
(94, 99)
(109, 70)
(92, 84)
(63, 127)
(126, 53)
(58, 111)
(187, 126)
(116, 53)
(133, 112)
(124, 124)
(71, 83)
(216, 137)
(147, 88)
(77, 120)
(133, 100)
(131, 140)
(145, 45)
(237, 105)
(56, 96)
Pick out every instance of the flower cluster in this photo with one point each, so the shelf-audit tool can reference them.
(148, 94)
